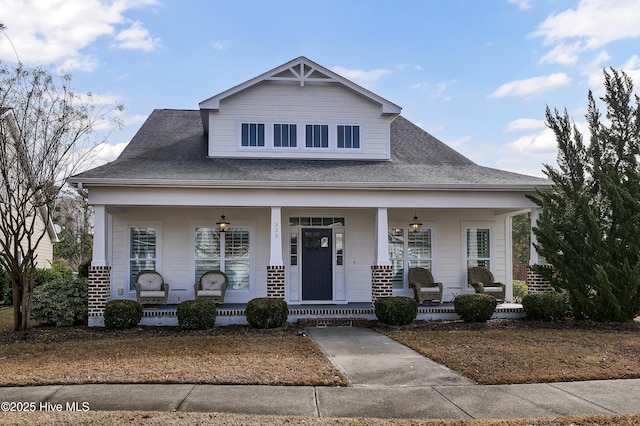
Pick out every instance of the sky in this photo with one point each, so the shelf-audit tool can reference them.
(476, 74)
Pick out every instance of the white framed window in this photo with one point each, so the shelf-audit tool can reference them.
(144, 249)
(229, 251)
(317, 136)
(409, 249)
(285, 135)
(252, 134)
(348, 136)
(478, 246)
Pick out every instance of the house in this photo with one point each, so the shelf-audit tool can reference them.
(18, 171)
(328, 195)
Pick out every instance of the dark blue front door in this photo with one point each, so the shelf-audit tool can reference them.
(317, 260)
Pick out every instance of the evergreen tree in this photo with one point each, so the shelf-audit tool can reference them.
(589, 229)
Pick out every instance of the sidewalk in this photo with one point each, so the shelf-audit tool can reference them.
(426, 390)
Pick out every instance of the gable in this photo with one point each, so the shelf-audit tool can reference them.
(298, 110)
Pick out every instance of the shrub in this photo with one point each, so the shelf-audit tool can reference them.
(475, 307)
(57, 271)
(265, 312)
(5, 288)
(83, 269)
(197, 314)
(519, 290)
(61, 302)
(399, 310)
(545, 306)
(122, 313)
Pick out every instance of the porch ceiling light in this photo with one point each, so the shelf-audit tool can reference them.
(223, 223)
(415, 224)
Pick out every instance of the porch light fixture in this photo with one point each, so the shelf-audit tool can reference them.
(223, 223)
(415, 224)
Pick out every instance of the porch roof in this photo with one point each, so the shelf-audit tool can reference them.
(170, 149)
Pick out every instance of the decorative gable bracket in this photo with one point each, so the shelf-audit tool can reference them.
(302, 72)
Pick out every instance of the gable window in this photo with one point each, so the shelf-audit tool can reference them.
(478, 247)
(285, 135)
(408, 250)
(252, 134)
(227, 251)
(317, 136)
(348, 136)
(143, 253)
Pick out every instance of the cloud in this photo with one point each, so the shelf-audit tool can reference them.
(220, 45)
(363, 78)
(565, 54)
(531, 86)
(435, 91)
(524, 124)
(45, 32)
(522, 4)
(137, 37)
(594, 23)
(540, 142)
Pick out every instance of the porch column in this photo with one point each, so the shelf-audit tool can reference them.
(381, 270)
(535, 282)
(534, 257)
(100, 271)
(275, 269)
(99, 257)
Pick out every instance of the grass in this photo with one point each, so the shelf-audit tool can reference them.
(501, 351)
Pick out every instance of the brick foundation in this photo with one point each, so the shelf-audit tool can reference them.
(536, 283)
(275, 282)
(381, 282)
(99, 286)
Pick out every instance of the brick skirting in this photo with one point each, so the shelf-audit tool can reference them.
(381, 282)
(275, 282)
(536, 283)
(99, 289)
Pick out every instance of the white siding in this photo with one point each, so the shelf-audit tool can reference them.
(289, 103)
(177, 263)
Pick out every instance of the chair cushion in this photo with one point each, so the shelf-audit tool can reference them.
(209, 293)
(150, 282)
(430, 289)
(151, 293)
(212, 281)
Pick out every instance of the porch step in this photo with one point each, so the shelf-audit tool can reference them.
(333, 322)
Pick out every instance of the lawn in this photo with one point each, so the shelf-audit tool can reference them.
(501, 351)
(504, 352)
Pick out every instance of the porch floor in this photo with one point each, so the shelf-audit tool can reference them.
(234, 313)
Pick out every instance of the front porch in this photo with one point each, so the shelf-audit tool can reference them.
(321, 315)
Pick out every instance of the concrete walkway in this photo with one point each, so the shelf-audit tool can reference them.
(372, 359)
(425, 391)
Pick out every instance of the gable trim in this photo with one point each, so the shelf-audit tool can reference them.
(301, 70)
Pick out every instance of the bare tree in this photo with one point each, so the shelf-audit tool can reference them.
(46, 133)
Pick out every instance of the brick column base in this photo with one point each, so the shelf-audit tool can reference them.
(536, 283)
(275, 282)
(381, 282)
(99, 288)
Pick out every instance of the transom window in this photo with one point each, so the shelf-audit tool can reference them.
(316, 221)
(317, 136)
(408, 250)
(285, 135)
(348, 136)
(227, 251)
(252, 134)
